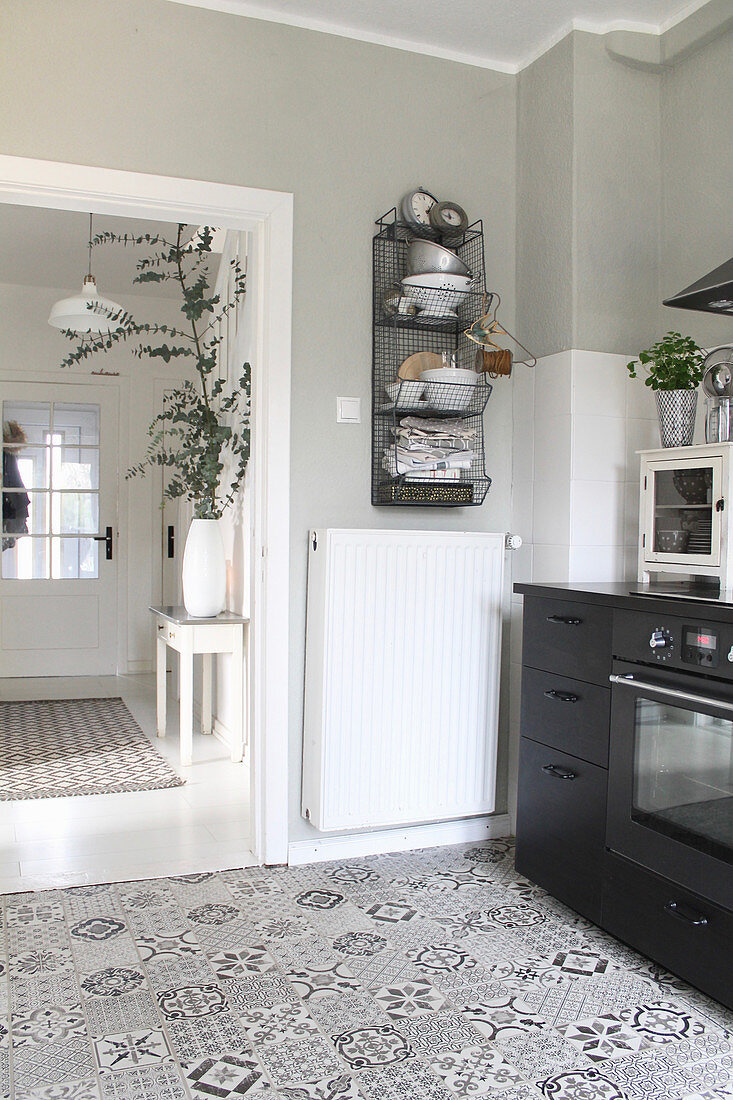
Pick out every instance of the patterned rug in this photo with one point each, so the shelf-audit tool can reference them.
(433, 975)
(61, 747)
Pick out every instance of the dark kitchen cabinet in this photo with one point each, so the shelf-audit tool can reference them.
(561, 801)
(561, 815)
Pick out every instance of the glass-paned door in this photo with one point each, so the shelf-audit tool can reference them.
(684, 523)
(58, 582)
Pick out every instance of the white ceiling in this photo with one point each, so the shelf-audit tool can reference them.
(499, 34)
(48, 248)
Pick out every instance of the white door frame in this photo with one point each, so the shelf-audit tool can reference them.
(269, 216)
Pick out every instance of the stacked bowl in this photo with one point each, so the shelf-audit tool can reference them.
(437, 279)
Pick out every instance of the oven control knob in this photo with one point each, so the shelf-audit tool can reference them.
(660, 639)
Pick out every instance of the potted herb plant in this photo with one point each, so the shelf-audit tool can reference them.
(202, 435)
(674, 368)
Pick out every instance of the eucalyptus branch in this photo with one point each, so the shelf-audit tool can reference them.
(204, 447)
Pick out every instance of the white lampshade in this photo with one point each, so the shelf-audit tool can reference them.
(76, 315)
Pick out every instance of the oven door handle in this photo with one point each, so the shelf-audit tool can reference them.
(671, 693)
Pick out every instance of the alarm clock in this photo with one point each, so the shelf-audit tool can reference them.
(415, 207)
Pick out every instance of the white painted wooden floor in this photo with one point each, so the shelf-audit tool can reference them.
(202, 826)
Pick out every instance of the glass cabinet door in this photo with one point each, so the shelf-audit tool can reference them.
(683, 522)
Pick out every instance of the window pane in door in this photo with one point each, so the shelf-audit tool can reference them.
(25, 559)
(77, 424)
(33, 417)
(74, 513)
(75, 468)
(25, 513)
(27, 464)
(74, 559)
(683, 510)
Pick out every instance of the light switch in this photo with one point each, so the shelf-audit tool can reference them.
(348, 410)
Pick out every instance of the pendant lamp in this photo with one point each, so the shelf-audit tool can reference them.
(87, 311)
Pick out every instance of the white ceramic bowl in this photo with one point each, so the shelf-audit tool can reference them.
(405, 394)
(437, 292)
(425, 257)
(449, 389)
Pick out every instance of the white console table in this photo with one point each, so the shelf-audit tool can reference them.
(227, 633)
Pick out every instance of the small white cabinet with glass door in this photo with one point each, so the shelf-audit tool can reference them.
(685, 508)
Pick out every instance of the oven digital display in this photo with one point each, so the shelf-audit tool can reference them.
(700, 641)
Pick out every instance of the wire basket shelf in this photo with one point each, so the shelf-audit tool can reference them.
(424, 318)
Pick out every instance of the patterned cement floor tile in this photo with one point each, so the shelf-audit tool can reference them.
(423, 975)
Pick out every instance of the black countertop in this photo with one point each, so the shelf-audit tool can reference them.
(634, 595)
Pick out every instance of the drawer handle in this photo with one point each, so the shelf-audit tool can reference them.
(562, 696)
(564, 619)
(558, 772)
(684, 913)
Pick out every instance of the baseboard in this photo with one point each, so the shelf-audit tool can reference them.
(403, 839)
(135, 668)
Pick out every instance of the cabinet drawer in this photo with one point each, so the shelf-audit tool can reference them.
(569, 715)
(658, 918)
(165, 630)
(561, 825)
(573, 639)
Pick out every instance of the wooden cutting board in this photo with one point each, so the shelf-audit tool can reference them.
(415, 364)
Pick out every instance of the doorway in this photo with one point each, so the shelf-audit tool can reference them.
(267, 217)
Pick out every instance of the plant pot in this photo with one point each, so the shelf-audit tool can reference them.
(676, 409)
(204, 570)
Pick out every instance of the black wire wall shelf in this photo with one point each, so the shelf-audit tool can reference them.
(414, 318)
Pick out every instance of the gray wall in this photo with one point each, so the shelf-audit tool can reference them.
(616, 201)
(588, 200)
(347, 127)
(545, 201)
(696, 175)
(628, 169)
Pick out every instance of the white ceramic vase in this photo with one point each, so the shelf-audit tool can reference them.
(204, 570)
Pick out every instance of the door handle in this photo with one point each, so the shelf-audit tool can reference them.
(106, 538)
(561, 696)
(558, 772)
(684, 913)
(564, 619)
(171, 541)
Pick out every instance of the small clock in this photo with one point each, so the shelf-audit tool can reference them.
(415, 207)
(448, 217)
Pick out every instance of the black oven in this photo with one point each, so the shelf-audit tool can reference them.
(670, 795)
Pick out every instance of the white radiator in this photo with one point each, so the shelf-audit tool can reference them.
(402, 676)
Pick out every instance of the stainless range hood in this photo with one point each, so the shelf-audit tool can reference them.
(711, 294)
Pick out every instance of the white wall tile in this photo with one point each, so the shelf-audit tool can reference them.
(522, 497)
(553, 385)
(551, 511)
(515, 633)
(640, 401)
(523, 425)
(594, 564)
(521, 563)
(597, 509)
(631, 514)
(641, 435)
(550, 564)
(631, 563)
(599, 448)
(599, 384)
(552, 447)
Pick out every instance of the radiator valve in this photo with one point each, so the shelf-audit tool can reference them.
(512, 542)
